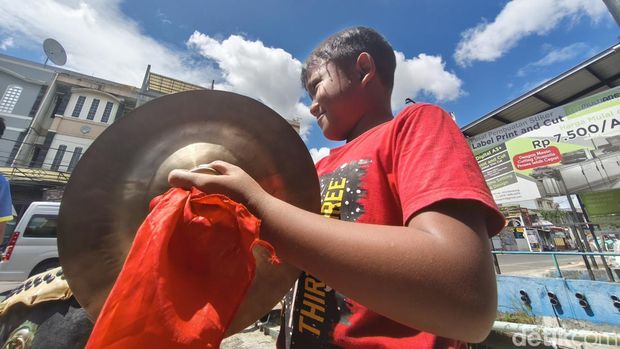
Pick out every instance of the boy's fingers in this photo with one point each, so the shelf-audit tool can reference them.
(205, 168)
(220, 166)
(186, 179)
(179, 179)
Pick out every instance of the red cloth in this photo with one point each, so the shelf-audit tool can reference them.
(186, 274)
(384, 176)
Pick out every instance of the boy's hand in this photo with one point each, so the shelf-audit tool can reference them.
(231, 181)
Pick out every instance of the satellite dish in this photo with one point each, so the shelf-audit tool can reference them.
(54, 52)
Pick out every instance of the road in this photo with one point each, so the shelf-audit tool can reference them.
(533, 264)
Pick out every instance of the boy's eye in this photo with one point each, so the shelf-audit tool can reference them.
(311, 91)
(313, 88)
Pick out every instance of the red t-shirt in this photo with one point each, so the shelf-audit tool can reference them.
(384, 176)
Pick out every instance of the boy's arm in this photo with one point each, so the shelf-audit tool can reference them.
(434, 275)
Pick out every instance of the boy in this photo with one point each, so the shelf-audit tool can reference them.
(410, 245)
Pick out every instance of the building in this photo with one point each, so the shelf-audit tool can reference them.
(80, 110)
(24, 86)
(156, 85)
(52, 116)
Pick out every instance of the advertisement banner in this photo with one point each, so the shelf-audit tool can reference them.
(574, 148)
(603, 207)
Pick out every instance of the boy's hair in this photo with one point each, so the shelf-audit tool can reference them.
(344, 47)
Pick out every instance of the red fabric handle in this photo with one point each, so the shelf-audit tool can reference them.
(186, 274)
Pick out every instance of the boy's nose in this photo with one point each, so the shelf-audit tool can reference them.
(315, 109)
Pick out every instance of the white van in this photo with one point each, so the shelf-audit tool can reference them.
(32, 248)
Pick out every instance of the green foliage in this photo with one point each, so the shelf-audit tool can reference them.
(520, 317)
(557, 217)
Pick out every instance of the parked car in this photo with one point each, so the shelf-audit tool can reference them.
(32, 247)
(8, 232)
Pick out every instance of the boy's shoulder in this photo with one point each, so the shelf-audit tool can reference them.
(420, 112)
(413, 117)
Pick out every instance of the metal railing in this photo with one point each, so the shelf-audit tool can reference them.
(554, 256)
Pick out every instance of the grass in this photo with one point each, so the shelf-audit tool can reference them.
(520, 317)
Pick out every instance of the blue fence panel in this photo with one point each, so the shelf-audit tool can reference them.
(584, 300)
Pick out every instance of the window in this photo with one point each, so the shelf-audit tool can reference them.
(58, 158)
(62, 99)
(78, 106)
(9, 100)
(93, 109)
(107, 111)
(37, 102)
(75, 158)
(41, 226)
(64, 96)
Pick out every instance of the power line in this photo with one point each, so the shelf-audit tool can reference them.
(41, 164)
(44, 147)
(15, 140)
(28, 143)
(26, 162)
(5, 158)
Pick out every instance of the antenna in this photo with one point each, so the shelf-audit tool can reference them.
(54, 52)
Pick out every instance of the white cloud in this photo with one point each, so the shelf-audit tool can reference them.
(562, 54)
(7, 43)
(268, 74)
(556, 56)
(99, 40)
(318, 154)
(423, 74)
(518, 19)
(102, 41)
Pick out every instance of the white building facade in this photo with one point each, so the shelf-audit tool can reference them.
(87, 114)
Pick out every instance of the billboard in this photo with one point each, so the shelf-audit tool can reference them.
(603, 207)
(573, 148)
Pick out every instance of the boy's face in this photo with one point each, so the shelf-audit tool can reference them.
(336, 101)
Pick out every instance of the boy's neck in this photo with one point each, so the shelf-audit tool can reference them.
(370, 119)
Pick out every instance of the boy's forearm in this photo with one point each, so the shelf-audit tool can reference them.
(417, 278)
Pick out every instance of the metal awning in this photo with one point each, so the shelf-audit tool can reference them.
(34, 175)
(597, 74)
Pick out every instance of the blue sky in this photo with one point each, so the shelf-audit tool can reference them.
(470, 57)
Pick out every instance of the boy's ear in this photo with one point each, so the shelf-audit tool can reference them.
(366, 68)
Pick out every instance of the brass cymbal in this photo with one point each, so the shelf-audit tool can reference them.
(108, 194)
